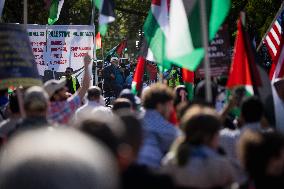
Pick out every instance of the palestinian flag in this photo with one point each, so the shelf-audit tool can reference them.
(117, 50)
(246, 71)
(240, 73)
(98, 41)
(156, 29)
(184, 44)
(106, 9)
(188, 80)
(54, 11)
(137, 82)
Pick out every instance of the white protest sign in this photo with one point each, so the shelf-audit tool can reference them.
(57, 47)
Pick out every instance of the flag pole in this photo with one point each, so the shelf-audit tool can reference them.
(94, 48)
(271, 25)
(205, 40)
(25, 12)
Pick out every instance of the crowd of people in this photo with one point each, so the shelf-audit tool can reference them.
(71, 139)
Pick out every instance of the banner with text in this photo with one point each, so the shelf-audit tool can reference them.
(219, 54)
(57, 47)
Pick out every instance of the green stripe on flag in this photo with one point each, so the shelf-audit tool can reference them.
(184, 47)
(103, 29)
(156, 40)
(54, 11)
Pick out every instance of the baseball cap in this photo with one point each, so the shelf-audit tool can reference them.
(126, 93)
(53, 85)
(113, 58)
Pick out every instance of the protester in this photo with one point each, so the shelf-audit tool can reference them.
(135, 100)
(94, 100)
(72, 82)
(3, 103)
(158, 132)
(262, 156)
(8, 125)
(122, 104)
(36, 103)
(195, 163)
(113, 78)
(62, 107)
(57, 158)
(180, 97)
(138, 176)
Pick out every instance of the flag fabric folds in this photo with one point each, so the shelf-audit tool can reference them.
(98, 41)
(106, 10)
(240, 74)
(184, 44)
(117, 50)
(156, 29)
(54, 11)
(137, 81)
(274, 42)
(246, 70)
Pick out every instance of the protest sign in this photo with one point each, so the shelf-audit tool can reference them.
(17, 63)
(219, 54)
(57, 47)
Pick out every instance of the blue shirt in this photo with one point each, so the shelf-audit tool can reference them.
(159, 134)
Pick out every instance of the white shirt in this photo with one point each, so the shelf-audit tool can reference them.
(84, 111)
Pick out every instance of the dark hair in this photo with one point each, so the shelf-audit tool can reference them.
(201, 95)
(156, 94)
(69, 68)
(101, 131)
(252, 109)
(133, 130)
(257, 149)
(94, 92)
(177, 98)
(200, 124)
(121, 103)
(13, 103)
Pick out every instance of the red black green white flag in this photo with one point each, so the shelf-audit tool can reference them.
(106, 16)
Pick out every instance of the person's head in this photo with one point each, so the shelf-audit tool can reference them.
(56, 90)
(200, 125)
(200, 92)
(121, 103)
(180, 95)
(133, 134)
(126, 93)
(56, 158)
(279, 86)
(100, 130)
(68, 72)
(114, 61)
(160, 98)
(110, 130)
(36, 101)
(251, 109)
(262, 154)
(94, 93)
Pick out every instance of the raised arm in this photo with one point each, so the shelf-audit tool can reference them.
(86, 78)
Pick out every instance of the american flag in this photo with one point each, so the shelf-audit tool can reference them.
(275, 44)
